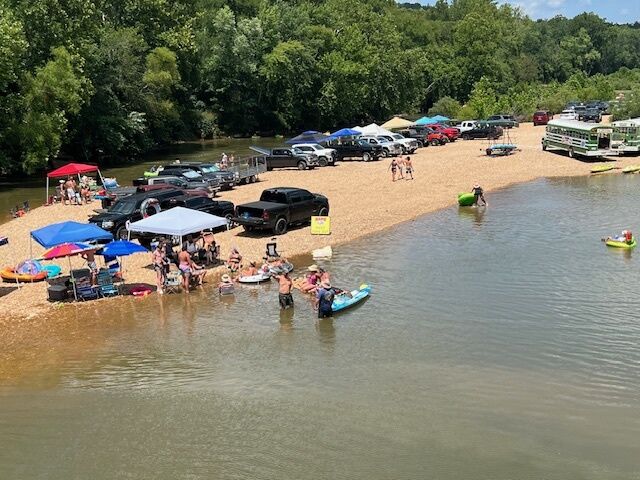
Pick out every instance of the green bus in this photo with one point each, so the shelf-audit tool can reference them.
(626, 135)
(579, 138)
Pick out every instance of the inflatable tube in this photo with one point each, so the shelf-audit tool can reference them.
(140, 291)
(8, 274)
(52, 270)
(259, 278)
(612, 242)
(150, 204)
(466, 199)
(226, 289)
(342, 302)
(285, 268)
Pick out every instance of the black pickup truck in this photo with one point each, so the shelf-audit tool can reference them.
(226, 180)
(357, 149)
(280, 207)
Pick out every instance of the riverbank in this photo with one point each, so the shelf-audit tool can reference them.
(363, 201)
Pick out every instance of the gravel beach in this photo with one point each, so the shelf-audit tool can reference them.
(363, 201)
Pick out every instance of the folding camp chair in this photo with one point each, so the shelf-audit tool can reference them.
(272, 250)
(173, 282)
(105, 284)
(83, 290)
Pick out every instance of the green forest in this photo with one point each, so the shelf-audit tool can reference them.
(101, 80)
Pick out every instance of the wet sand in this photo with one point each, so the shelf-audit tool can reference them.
(362, 197)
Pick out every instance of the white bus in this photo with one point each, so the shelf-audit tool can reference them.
(579, 138)
(626, 135)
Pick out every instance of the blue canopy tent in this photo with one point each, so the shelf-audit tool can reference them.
(440, 118)
(426, 121)
(67, 232)
(310, 136)
(345, 132)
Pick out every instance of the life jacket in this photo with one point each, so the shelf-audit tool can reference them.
(628, 236)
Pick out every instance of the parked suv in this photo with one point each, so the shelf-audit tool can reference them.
(504, 121)
(358, 149)
(291, 157)
(226, 180)
(409, 145)
(452, 133)
(326, 156)
(591, 115)
(133, 208)
(483, 130)
(541, 117)
(181, 182)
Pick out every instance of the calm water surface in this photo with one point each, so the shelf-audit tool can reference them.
(498, 344)
(14, 192)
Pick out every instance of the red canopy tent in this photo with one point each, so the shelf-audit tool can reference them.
(71, 169)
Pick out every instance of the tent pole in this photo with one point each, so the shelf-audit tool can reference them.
(101, 179)
(46, 199)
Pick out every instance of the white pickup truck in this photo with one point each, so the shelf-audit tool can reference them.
(409, 145)
(389, 148)
(326, 156)
(467, 125)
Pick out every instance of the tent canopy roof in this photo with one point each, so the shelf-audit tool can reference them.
(178, 221)
(373, 129)
(67, 232)
(426, 121)
(72, 169)
(397, 122)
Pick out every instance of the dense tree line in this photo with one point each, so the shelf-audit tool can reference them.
(105, 79)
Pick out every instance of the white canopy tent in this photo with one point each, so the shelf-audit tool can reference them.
(373, 129)
(178, 222)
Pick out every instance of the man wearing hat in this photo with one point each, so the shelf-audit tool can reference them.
(324, 300)
(226, 285)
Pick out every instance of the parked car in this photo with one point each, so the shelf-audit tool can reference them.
(426, 136)
(591, 115)
(133, 208)
(466, 125)
(291, 157)
(568, 115)
(541, 117)
(409, 145)
(182, 182)
(226, 180)
(112, 195)
(279, 208)
(483, 130)
(220, 208)
(504, 121)
(326, 156)
(389, 149)
(356, 149)
(580, 110)
(452, 133)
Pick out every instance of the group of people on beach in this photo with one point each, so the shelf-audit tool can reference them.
(70, 192)
(401, 167)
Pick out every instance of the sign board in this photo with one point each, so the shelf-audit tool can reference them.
(320, 225)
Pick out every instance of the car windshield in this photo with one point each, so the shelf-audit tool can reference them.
(191, 175)
(398, 137)
(273, 197)
(123, 206)
(209, 168)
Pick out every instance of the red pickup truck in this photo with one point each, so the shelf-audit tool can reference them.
(451, 132)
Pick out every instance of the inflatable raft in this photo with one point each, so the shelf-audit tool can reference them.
(620, 243)
(259, 278)
(342, 302)
(466, 199)
(9, 274)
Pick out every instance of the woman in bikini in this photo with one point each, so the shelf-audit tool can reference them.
(235, 259)
(394, 168)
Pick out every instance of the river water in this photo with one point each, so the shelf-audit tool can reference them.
(498, 343)
(15, 191)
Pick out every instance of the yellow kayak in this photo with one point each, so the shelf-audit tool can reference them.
(612, 242)
(602, 168)
(631, 169)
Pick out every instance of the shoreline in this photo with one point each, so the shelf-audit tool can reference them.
(363, 202)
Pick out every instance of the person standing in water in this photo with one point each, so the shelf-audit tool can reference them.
(408, 167)
(285, 284)
(478, 193)
(324, 300)
(394, 168)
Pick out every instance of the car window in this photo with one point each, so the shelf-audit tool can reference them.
(271, 196)
(295, 198)
(304, 149)
(306, 196)
(191, 175)
(122, 206)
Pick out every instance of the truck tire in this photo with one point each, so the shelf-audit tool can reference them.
(323, 162)
(302, 165)
(434, 142)
(253, 179)
(366, 157)
(571, 153)
(544, 146)
(323, 212)
(280, 227)
(248, 228)
(386, 152)
(230, 223)
(122, 233)
(466, 137)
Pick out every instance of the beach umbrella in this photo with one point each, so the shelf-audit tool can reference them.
(67, 250)
(397, 123)
(121, 248)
